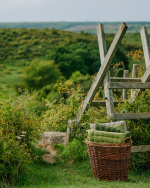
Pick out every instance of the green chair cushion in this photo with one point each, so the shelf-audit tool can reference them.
(106, 137)
(102, 127)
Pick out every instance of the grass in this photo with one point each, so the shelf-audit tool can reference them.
(9, 76)
(63, 175)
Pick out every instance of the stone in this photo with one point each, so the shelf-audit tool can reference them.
(50, 138)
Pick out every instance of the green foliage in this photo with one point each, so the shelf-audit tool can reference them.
(140, 129)
(39, 74)
(76, 151)
(78, 78)
(84, 80)
(81, 57)
(140, 161)
(71, 51)
(19, 126)
(57, 116)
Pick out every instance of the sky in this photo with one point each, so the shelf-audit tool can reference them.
(74, 10)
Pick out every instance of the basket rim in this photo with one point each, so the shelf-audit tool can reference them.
(111, 145)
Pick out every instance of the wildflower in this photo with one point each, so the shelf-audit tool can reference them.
(19, 137)
(23, 132)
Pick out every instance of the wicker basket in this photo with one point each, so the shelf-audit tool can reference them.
(110, 161)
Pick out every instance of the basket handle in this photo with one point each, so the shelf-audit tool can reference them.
(127, 138)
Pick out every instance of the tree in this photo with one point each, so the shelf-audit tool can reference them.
(82, 56)
(39, 74)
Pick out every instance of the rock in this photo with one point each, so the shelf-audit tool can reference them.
(51, 138)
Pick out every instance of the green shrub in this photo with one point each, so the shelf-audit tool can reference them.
(39, 74)
(19, 126)
(140, 129)
(76, 151)
(57, 116)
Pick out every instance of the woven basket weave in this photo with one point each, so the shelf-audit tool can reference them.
(110, 161)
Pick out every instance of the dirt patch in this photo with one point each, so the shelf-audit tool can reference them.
(49, 158)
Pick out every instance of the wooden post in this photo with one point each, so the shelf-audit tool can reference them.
(70, 122)
(102, 71)
(103, 52)
(134, 75)
(125, 75)
(146, 47)
(146, 50)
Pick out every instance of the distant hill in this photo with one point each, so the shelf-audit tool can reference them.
(90, 27)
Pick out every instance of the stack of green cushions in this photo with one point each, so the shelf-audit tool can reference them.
(105, 134)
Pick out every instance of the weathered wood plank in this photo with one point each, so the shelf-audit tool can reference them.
(124, 94)
(103, 69)
(70, 123)
(103, 52)
(146, 76)
(131, 116)
(134, 75)
(119, 79)
(142, 148)
(102, 103)
(128, 85)
(145, 44)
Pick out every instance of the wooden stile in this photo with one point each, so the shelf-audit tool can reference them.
(117, 83)
(102, 71)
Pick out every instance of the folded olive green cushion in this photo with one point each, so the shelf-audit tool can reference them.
(116, 128)
(106, 137)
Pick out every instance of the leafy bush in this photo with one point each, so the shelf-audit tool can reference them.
(39, 74)
(19, 126)
(76, 151)
(140, 129)
(57, 116)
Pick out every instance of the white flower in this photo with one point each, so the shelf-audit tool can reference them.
(22, 135)
(23, 132)
(19, 137)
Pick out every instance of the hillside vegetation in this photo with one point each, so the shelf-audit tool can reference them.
(57, 68)
(70, 51)
(90, 27)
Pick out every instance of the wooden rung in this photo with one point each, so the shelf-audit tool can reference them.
(99, 103)
(131, 116)
(128, 85)
(142, 148)
(118, 79)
